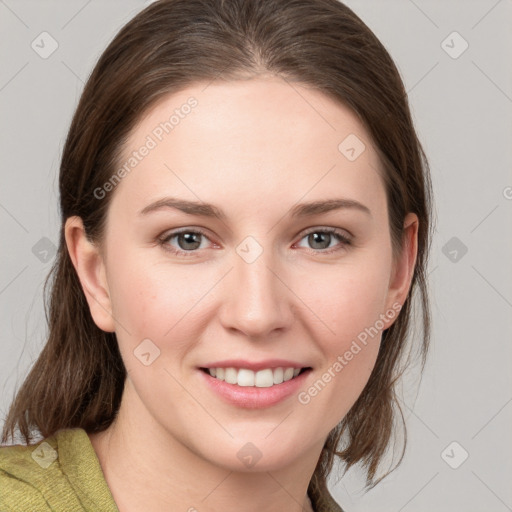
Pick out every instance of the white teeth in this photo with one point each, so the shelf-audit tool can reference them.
(248, 378)
(264, 378)
(245, 377)
(230, 376)
(278, 375)
(288, 374)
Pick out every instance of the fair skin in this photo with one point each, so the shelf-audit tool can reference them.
(254, 149)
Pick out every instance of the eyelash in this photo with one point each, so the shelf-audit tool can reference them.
(164, 241)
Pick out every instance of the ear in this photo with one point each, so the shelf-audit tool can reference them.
(403, 267)
(90, 267)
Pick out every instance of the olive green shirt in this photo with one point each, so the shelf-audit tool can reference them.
(62, 474)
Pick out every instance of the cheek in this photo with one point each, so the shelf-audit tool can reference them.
(347, 301)
(149, 301)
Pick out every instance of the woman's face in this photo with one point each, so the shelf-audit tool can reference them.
(260, 279)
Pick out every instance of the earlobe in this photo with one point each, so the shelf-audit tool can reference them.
(403, 268)
(90, 267)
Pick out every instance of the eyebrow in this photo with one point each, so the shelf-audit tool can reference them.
(201, 209)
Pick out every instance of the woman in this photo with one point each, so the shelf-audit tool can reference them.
(245, 217)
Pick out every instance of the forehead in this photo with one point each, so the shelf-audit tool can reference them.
(263, 138)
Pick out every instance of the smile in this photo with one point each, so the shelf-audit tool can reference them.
(263, 378)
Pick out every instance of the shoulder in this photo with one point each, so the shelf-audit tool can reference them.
(60, 472)
(23, 469)
(16, 495)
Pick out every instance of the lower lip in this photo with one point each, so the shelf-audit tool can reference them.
(251, 397)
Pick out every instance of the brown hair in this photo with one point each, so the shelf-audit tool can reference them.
(78, 379)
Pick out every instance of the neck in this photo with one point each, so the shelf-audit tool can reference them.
(147, 468)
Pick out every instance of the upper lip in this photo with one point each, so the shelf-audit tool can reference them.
(255, 366)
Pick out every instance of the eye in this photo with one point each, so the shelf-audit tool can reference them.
(321, 238)
(188, 241)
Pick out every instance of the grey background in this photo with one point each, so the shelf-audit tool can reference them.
(462, 109)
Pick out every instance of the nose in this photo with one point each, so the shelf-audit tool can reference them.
(257, 301)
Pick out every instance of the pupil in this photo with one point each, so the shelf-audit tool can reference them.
(317, 238)
(189, 239)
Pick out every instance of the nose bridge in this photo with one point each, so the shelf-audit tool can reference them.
(260, 301)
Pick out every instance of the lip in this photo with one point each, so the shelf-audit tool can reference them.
(255, 366)
(249, 397)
